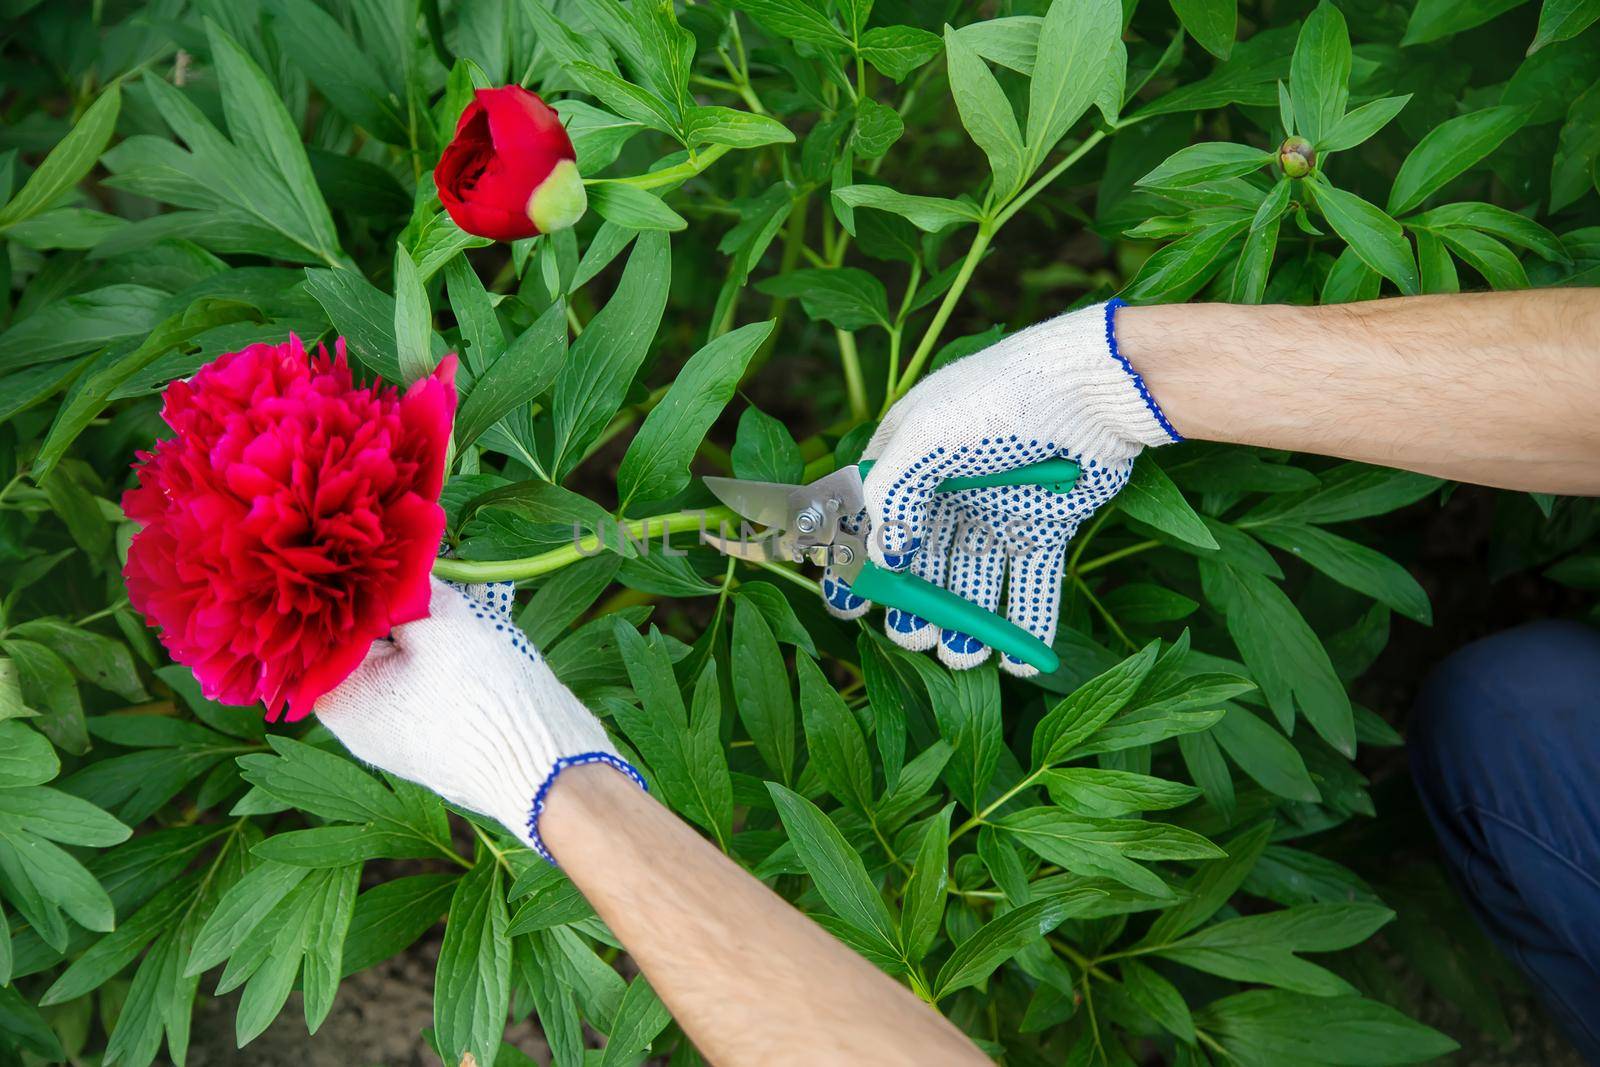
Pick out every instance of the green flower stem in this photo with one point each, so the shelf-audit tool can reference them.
(978, 819)
(789, 574)
(1121, 553)
(1021, 199)
(897, 332)
(930, 337)
(669, 175)
(1111, 620)
(986, 231)
(1079, 960)
(855, 385)
(510, 570)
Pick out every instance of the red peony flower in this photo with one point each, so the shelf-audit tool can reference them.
(289, 522)
(511, 171)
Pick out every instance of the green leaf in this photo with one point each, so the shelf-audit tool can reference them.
(1250, 76)
(1210, 22)
(834, 866)
(724, 125)
(1438, 269)
(517, 376)
(1260, 243)
(597, 372)
(337, 846)
(985, 113)
(49, 689)
(389, 917)
(922, 906)
(240, 910)
(795, 20)
(1283, 653)
(1075, 719)
(1051, 830)
(1497, 263)
(1158, 998)
(847, 297)
(657, 461)
(761, 688)
(1561, 20)
(1354, 565)
(1205, 162)
(260, 124)
(472, 983)
(66, 884)
(1180, 269)
(1262, 1027)
(1496, 221)
(1319, 73)
(640, 1017)
(1146, 602)
(94, 657)
(1265, 755)
(764, 450)
(338, 66)
(61, 817)
(1348, 491)
(877, 128)
(838, 749)
(898, 50)
(1376, 238)
(68, 161)
(413, 320)
(1358, 125)
(633, 208)
(597, 135)
(565, 597)
(1350, 280)
(1435, 19)
(966, 707)
(1572, 173)
(1108, 793)
(327, 923)
(1076, 42)
(976, 958)
(682, 750)
(1210, 887)
(92, 390)
(361, 313)
(1151, 497)
(928, 213)
(625, 98)
(1449, 149)
(1012, 41)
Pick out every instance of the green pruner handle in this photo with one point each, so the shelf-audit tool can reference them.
(903, 590)
(1056, 475)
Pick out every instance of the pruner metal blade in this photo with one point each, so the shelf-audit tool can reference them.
(757, 551)
(766, 503)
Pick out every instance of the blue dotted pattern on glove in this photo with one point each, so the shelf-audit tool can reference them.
(493, 602)
(976, 542)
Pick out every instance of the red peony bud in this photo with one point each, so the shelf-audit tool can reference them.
(1297, 157)
(511, 171)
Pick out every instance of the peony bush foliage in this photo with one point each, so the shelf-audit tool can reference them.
(723, 237)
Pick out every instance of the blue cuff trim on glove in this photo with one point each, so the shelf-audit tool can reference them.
(562, 764)
(1138, 383)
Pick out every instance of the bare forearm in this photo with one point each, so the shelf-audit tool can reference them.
(749, 978)
(1497, 388)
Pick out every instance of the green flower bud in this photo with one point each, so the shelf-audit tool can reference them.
(1297, 157)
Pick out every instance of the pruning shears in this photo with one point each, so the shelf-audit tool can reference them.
(801, 524)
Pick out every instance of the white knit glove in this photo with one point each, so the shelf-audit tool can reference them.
(1059, 388)
(461, 703)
